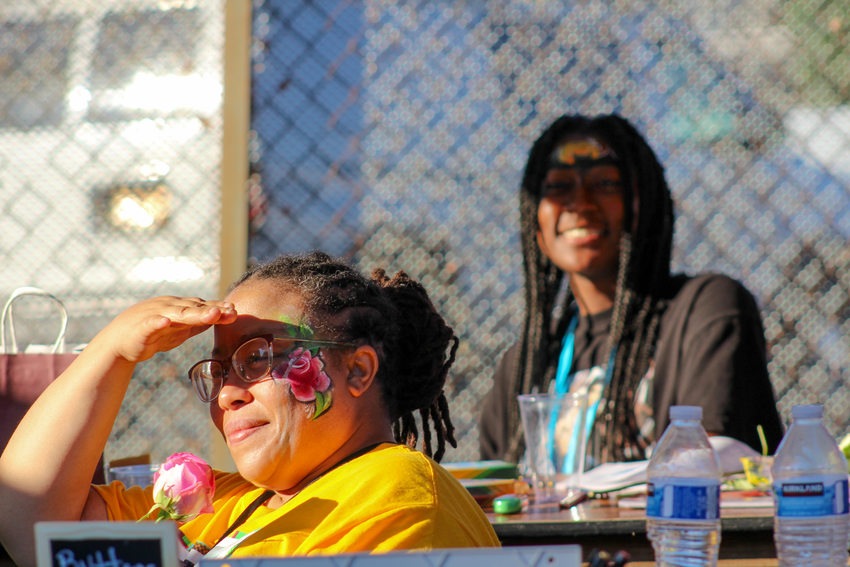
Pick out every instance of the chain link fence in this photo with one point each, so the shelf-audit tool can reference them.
(110, 136)
(394, 133)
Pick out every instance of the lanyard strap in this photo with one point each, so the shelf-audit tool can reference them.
(225, 545)
(264, 497)
(563, 381)
(246, 513)
(565, 361)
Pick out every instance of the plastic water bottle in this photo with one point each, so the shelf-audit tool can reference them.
(683, 493)
(810, 494)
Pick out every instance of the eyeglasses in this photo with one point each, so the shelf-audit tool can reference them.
(251, 362)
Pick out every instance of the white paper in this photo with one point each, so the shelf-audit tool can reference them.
(615, 476)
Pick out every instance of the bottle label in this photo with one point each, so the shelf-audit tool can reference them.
(683, 499)
(812, 496)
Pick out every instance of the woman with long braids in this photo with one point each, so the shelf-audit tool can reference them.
(313, 381)
(605, 315)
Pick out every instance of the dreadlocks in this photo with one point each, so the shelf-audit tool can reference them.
(394, 315)
(643, 275)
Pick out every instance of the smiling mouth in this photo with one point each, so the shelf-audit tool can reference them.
(242, 432)
(582, 232)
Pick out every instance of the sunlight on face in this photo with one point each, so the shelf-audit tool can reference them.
(273, 437)
(580, 213)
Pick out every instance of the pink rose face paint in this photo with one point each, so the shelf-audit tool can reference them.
(304, 373)
(303, 370)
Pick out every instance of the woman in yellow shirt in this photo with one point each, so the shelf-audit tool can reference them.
(313, 379)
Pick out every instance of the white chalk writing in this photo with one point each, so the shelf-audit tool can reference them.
(66, 558)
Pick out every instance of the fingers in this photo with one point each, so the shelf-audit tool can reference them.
(158, 322)
(161, 334)
(187, 317)
(163, 323)
(220, 315)
(194, 310)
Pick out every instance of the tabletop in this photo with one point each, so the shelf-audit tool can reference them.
(746, 533)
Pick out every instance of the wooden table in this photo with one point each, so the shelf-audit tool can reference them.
(746, 538)
(746, 533)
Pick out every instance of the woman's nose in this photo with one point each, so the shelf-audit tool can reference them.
(234, 393)
(584, 196)
(581, 197)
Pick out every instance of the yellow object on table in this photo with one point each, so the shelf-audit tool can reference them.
(758, 472)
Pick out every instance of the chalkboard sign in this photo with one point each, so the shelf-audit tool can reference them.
(106, 544)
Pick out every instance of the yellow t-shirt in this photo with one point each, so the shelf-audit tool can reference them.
(392, 498)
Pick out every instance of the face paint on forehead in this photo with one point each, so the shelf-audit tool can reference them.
(582, 153)
(296, 329)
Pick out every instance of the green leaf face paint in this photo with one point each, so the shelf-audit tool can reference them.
(323, 402)
(296, 329)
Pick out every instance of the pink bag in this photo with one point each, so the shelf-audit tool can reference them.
(24, 376)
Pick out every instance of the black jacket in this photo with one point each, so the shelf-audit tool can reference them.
(711, 352)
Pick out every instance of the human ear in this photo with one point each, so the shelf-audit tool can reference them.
(362, 368)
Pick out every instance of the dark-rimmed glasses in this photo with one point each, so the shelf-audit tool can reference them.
(252, 361)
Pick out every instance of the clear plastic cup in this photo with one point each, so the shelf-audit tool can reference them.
(555, 442)
(132, 475)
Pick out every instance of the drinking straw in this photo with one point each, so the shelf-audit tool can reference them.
(762, 439)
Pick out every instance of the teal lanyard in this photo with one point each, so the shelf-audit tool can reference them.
(563, 381)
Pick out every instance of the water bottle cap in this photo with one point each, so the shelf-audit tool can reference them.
(813, 411)
(691, 413)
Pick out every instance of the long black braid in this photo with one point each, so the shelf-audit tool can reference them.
(642, 282)
(394, 315)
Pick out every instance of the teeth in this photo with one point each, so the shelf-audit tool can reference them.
(580, 232)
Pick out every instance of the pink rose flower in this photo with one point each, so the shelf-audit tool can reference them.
(183, 487)
(306, 375)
